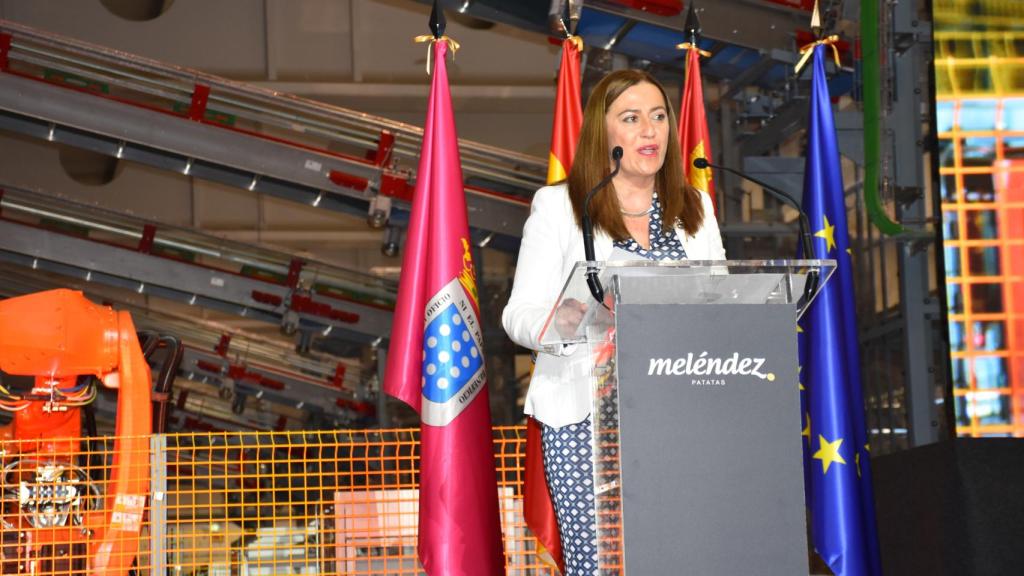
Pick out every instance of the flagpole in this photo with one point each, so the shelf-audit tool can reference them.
(837, 458)
(538, 507)
(694, 136)
(435, 358)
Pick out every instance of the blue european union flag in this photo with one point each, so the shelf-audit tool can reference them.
(837, 464)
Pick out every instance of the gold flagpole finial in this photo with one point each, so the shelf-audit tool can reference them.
(816, 21)
(830, 41)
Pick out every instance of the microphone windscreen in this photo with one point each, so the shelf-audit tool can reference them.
(617, 153)
(700, 163)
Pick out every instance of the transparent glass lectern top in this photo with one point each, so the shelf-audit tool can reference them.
(682, 282)
(687, 282)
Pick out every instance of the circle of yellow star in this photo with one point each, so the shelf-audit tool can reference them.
(806, 432)
(828, 453)
(828, 232)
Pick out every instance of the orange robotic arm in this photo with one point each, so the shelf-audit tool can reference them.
(57, 336)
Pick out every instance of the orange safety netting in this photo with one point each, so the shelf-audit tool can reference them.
(252, 503)
(979, 90)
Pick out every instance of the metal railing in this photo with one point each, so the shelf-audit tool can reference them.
(64, 215)
(328, 502)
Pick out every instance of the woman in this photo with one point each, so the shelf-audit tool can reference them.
(649, 211)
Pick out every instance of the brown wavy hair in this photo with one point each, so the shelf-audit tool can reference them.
(680, 203)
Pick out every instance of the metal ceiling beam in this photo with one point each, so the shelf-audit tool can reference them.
(232, 157)
(176, 280)
(787, 121)
(298, 391)
(750, 75)
(544, 93)
(785, 173)
(748, 229)
(748, 23)
(758, 25)
(271, 236)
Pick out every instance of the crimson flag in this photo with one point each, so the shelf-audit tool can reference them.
(435, 359)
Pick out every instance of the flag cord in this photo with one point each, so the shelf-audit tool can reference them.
(453, 46)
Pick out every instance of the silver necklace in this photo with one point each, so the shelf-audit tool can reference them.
(649, 210)
(636, 214)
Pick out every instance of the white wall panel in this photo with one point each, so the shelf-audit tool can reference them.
(221, 37)
(310, 40)
(500, 55)
(140, 190)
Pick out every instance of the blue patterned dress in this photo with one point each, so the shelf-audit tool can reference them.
(568, 457)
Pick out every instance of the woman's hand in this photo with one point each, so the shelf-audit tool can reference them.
(568, 316)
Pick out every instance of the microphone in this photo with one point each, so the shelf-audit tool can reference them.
(781, 196)
(596, 290)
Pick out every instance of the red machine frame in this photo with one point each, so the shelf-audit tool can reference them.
(51, 502)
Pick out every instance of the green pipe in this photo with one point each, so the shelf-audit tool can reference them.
(872, 93)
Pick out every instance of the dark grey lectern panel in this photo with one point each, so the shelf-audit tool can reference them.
(709, 424)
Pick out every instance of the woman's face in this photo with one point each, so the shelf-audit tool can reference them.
(638, 121)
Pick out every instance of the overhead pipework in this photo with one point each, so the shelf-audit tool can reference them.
(187, 266)
(134, 108)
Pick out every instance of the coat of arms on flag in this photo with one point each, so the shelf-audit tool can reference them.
(453, 368)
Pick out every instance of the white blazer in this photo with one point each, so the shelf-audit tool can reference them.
(559, 392)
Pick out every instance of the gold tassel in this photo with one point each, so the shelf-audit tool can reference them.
(453, 46)
(689, 46)
(807, 50)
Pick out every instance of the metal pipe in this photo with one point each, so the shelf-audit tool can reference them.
(304, 109)
(871, 90)
(96, 218)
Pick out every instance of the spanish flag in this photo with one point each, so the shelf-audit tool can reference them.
(538, 509)
(694, 141)
(537, 506)
(568, 112)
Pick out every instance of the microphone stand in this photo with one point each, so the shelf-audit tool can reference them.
(593, 283)
(784, 197)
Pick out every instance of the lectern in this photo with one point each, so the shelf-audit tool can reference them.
(696, 416)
